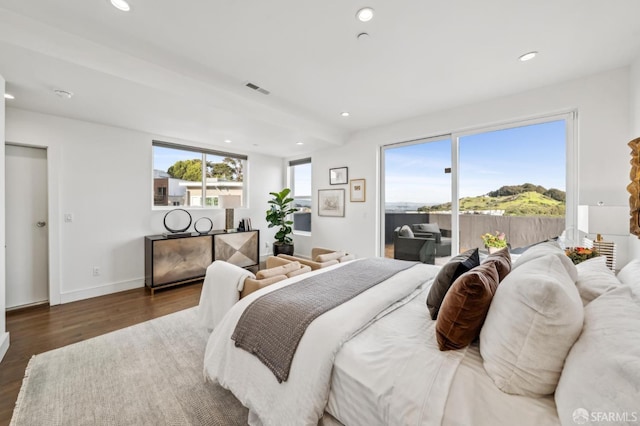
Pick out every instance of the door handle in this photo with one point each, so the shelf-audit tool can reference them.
(41, 224)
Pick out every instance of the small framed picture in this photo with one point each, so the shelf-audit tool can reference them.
(358, 190)
(339, 176)
(331, 202)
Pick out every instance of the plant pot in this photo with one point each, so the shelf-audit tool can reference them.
(282, 248)
(494, 249)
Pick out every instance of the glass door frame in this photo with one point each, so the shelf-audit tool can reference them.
(570, 118)
(382, 207)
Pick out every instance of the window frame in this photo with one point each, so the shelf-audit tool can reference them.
(291, 181)
(203, 152)
(572, 181)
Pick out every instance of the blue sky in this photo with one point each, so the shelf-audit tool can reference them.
(534, 154)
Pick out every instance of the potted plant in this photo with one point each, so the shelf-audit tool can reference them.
(278, 215)
(494, 242)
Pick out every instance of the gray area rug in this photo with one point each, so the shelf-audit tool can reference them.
(147, 374)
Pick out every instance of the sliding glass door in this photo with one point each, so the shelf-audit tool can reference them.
(417, 176)
(516, 181)
(512, 183)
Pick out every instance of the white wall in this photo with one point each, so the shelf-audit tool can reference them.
(4, 336)
(602, 102)
(102, 175)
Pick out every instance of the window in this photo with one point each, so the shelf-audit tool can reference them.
(300, 184)
(183, 174)
(517, 179)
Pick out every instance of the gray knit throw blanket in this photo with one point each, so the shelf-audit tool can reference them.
(272, 325)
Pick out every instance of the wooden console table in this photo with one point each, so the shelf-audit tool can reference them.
(173, 261)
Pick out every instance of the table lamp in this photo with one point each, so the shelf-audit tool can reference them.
(604, 220)
(229, 202)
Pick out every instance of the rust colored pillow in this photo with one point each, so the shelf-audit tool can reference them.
(465, 307)
(502, 260)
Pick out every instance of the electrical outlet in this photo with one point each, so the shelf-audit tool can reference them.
(96, 271)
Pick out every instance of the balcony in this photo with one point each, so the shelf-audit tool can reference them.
(519, 230)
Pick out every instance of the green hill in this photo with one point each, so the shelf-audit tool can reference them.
(537, 202)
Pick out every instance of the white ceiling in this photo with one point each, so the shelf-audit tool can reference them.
(178, 68)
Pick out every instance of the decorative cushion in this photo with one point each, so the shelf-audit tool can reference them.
(426, 227)
(447, 275)
(430, 228)
(336, 255)
(465, 307)
(594, 279)
(602, 371)
(405, 231)
(544, 249)
(535, 317)
(502, 260)
(630, 274)
(279, 270)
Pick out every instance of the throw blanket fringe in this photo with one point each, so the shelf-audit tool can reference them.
(272, 325)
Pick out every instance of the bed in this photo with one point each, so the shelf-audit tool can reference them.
(375, 360)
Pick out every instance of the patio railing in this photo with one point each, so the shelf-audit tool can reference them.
(519, 230)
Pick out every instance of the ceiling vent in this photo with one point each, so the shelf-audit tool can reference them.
(257, 88)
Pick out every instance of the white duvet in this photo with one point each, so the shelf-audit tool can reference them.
(301, 400)
(393, 373)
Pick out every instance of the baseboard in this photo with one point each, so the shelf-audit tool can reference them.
(4, 345)
(87, 293)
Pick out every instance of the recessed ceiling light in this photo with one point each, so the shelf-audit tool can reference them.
(365, 14)
(9, 96)
(363, 36)
(227, 141)
(63, 93)
(122, 5)
(528, 56)
(345, 114)
(299, 143)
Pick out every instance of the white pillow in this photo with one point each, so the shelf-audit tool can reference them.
(594, 279)
(630, 274)
(602, 371)
(545, 249)
(534, 319)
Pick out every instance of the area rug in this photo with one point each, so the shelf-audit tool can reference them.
(147, 374)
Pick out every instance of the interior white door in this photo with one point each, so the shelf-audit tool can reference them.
(26, 226)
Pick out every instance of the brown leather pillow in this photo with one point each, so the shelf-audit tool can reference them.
(502, 260)
(465, 307)
(447, 275)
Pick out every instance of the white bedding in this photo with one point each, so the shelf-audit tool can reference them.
(223, 283)
(302, 398)
(393, 373)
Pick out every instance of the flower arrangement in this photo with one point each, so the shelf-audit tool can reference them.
(497, 240)
(580, 254)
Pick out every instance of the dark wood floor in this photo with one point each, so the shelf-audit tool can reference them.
(43, 328)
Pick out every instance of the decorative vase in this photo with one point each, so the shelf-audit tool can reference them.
(282, 249)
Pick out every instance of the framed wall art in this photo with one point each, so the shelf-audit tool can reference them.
(339, 176)
(357, 192)
(331, 202)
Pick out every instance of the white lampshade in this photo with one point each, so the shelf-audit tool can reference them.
(229, 201)
(606, 220)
